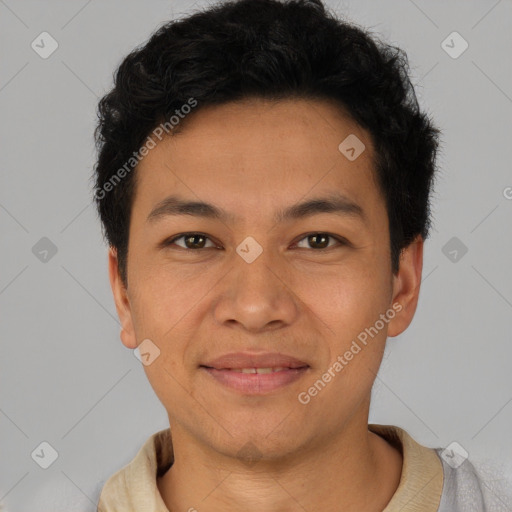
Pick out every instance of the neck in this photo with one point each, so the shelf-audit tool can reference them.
(352, 471)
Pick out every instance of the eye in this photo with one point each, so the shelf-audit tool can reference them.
(191, 241)
(320, 240)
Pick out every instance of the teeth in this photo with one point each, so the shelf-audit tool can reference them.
(259, 370)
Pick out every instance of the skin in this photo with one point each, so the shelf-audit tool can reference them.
(253, 158)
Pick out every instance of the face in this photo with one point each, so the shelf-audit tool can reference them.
(257, 274)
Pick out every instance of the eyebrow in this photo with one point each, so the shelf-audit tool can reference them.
(335, 203)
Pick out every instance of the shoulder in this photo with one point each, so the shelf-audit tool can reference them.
(113, 493)
(473, 487)
(134, 487)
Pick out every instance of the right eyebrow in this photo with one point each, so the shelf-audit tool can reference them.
(173, 205)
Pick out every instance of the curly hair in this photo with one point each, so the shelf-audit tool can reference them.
(271, 49)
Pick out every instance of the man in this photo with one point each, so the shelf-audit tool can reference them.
(263, 181)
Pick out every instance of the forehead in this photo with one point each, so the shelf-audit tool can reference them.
(257, 155)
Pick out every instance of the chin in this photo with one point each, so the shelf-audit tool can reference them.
(260, 443)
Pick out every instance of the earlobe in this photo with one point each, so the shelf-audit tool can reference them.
(122, 302)
(406, 286)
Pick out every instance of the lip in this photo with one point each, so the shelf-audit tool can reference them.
(255, 383)
(224, 370)
(238, 360)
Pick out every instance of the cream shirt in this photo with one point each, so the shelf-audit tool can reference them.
(134, 489)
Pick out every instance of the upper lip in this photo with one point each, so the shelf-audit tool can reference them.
(259, 360)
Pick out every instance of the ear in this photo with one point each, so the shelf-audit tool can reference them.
(122, 302)
(406, 286)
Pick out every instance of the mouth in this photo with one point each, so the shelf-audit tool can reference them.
(256, 370)
(255, 374)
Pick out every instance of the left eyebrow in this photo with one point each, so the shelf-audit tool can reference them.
(336, 203)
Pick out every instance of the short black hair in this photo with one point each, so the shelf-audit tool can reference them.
(270, 49)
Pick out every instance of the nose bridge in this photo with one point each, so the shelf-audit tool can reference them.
(253, 266)
(254, 293)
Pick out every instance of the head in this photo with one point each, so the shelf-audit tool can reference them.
(257, 107)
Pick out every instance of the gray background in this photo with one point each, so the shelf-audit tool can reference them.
(66, 377)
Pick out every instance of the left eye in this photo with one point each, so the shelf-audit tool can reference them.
(321, 240)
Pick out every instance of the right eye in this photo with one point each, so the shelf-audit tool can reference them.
(191, 241)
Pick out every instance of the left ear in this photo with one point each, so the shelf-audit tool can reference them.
(406, 286)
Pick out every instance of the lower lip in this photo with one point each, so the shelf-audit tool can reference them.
(256, 383)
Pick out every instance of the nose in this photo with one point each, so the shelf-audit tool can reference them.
(255, 296)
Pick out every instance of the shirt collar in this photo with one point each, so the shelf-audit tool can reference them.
(421, 482)
(134, 487)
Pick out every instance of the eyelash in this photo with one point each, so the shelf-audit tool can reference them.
(172, 240)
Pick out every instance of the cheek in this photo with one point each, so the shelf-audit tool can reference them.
(162, 307)
(350, 305)
(165, 298)
(350, 302)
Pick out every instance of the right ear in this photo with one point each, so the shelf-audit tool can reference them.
(121, 300)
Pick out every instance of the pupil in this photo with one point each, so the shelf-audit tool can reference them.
(190, 238)
(315, 237)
